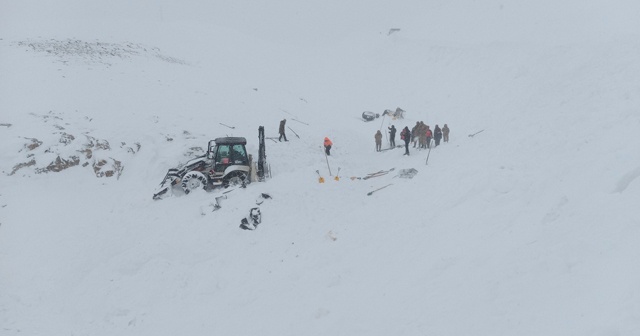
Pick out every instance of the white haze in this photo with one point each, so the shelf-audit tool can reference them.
(530, 227)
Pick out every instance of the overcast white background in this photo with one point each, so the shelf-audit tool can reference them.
(530, 227)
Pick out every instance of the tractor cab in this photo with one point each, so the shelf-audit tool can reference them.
(228, 161)
(226, 152)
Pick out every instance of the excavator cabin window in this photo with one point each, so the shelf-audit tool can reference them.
(231, 154)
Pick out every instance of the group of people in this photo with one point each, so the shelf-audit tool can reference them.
(421, 135)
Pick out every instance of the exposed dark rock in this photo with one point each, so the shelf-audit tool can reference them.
(102, 168)
(22, 165)
(88, 153)
(102, 144)
(97, 143)
(35, 143)
(69, 50)
(59, 164)
(66, 138)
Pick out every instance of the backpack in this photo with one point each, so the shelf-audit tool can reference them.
(429, 134)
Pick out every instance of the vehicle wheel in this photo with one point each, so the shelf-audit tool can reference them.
(193, 180)
(236, 178)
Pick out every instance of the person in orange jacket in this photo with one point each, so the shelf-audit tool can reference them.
(327, 145)
(429, 137)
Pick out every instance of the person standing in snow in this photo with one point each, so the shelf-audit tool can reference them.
(392, 136)
(437, 135)
(281, 130)
(422, 135)
(445, 133)
(327, 146)
(406, 136)
(429, 135)
(378, 138)
(414, 133)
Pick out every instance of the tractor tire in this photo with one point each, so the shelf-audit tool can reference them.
(236, 178)
(193, 180)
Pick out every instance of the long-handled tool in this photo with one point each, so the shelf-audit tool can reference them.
(471, 135)
(386, 137)
(428, 153)
(294, 132)
(371, 192)
(327, 157)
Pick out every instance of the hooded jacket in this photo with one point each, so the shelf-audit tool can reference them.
(327, 142)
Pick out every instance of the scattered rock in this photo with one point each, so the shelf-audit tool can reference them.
(48, 116)
(88, 153)
(59, 164)
(131, 149)
(70, 50)
(102, 168)
(97, 143)
(35, 143)
(97, 167)
(22, 165)
(66, 138)
(103, 144)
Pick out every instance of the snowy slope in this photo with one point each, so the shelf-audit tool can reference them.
(528, 228)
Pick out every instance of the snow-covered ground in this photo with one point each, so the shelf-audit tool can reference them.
(530, 227)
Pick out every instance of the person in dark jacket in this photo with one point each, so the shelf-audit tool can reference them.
(406, 136)
(437, 135)
(392, 136)
(281, 130)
